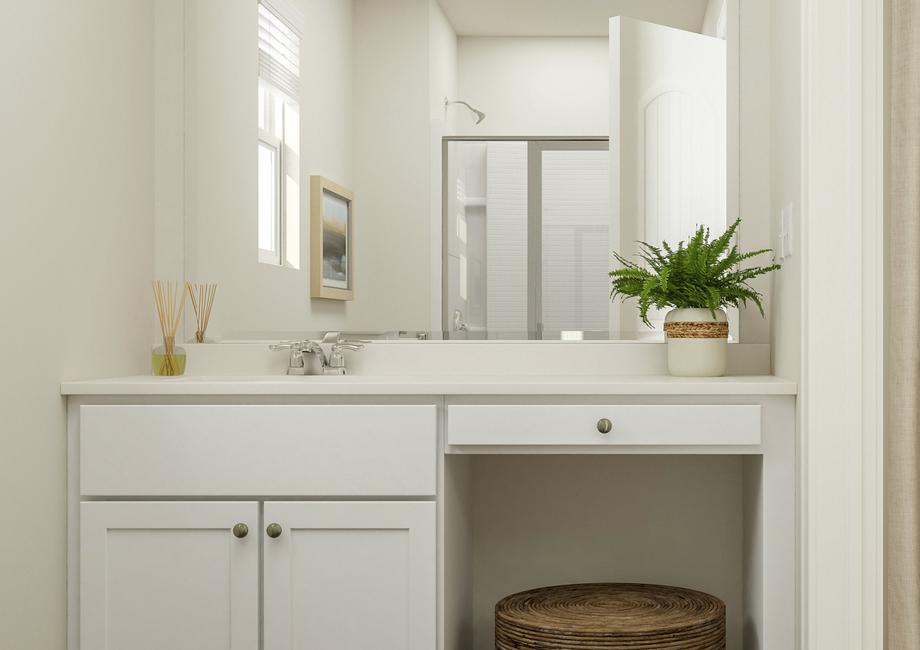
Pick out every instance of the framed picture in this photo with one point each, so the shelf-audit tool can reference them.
(332, 264)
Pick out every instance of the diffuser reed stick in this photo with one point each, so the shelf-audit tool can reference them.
(202, 297)
(170, 303)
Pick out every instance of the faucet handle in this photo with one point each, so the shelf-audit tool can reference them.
(336, 364)
(338, 338)
(354, 346)
(294, 346)
(331, 337)
(296, 365)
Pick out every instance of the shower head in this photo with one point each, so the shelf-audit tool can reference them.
(480, 116)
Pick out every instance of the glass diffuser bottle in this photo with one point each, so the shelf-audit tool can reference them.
(167, 360)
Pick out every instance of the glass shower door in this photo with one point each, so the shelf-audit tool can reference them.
(572, 204)
(526, 246)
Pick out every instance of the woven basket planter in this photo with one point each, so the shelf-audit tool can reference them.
(697, 342)
(618, 616)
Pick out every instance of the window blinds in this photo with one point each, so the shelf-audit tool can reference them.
(279, 50)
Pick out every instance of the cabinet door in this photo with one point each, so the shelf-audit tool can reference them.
(350, 576)
(169, 575)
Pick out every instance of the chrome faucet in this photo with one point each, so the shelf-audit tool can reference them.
(459, 324)
(332, 363)
(296, 365)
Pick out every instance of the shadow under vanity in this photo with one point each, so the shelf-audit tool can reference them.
(394, 518)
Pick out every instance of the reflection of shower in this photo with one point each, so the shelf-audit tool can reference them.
(480, 116)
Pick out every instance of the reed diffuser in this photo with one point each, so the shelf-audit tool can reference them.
(202, 298)
(167, 359)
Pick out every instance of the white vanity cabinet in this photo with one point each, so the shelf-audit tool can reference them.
(312, 526)
(350, 576)
(393, 514)
(159, 575)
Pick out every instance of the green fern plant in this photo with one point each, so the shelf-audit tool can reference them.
(700, 273)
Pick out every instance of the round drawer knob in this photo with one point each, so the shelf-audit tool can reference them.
(240, 531)
(273, 530)
(604, 425)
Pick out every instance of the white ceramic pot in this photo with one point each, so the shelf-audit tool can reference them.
(692, 356)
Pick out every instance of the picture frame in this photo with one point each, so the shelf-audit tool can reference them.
(332, 263)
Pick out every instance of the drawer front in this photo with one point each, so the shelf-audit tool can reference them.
(277, 450)
(636, 425)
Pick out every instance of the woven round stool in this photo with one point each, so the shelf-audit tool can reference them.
(619, 616)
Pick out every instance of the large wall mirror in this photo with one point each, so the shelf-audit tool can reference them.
(485, 157)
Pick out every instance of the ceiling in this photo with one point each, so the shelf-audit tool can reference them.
(565, 17)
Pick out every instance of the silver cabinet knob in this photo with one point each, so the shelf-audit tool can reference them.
(604, 425)
(273, 530)
(240, 531)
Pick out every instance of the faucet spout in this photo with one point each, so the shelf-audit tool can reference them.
(316, 349)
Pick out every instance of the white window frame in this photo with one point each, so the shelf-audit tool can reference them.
(280, 36)
(268, 139)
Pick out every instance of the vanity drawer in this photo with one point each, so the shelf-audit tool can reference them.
(253, 450)
(579, 425)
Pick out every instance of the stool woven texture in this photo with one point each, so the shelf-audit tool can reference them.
(620, 616)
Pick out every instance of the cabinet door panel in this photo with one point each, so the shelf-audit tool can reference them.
(168, 575)
(350, 576)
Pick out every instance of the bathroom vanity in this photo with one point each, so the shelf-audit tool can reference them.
(240, 508)
(393, 512)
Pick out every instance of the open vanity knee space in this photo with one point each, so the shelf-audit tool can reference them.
(247, 517)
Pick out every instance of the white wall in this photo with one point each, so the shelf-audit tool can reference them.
(535, 86)
(76, 181)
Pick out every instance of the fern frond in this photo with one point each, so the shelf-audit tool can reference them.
(700, 272)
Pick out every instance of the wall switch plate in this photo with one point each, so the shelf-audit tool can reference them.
(784, 239)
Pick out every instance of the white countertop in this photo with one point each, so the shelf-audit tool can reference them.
(433, 384)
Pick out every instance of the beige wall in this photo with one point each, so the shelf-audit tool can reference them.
(442, 82)
(392, 157)
(76, 181)
(749, 154)
(365, 124)
(442, 64)
(786, 185)
(258, 300)
(535, 86)
(570, 519)
(714, 21)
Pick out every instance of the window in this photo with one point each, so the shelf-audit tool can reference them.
(278, 208)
